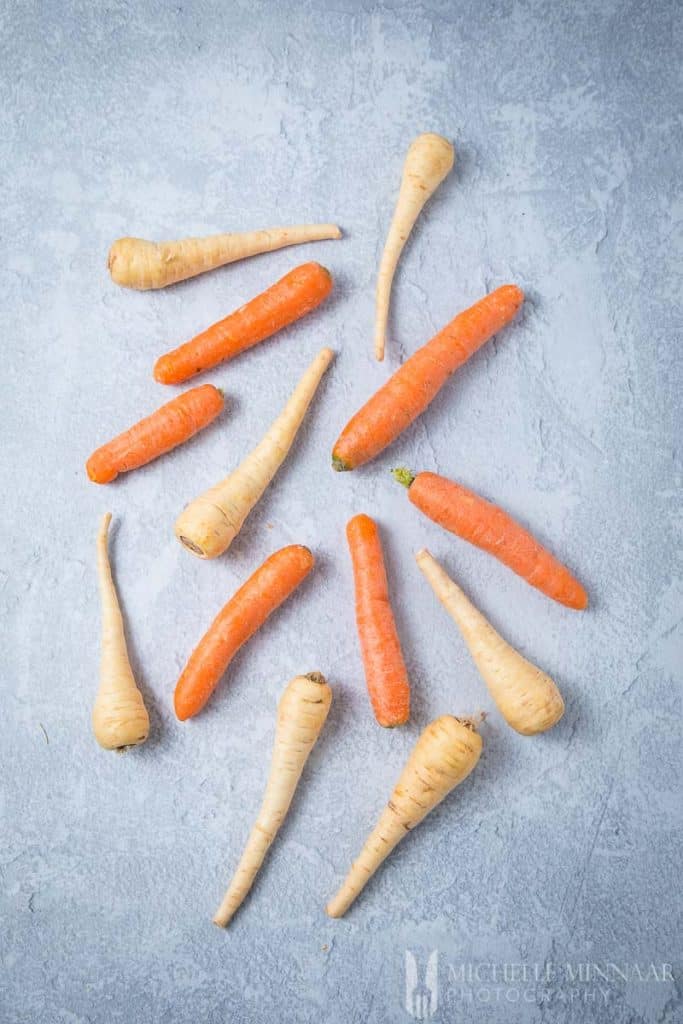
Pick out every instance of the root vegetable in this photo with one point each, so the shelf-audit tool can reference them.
(289, 299)
(169, 426)
(210, 523)
(413, 386)
(119, 716)
(301, 714)
(136, 263)
(238, 620)
(443, 756)
(466, 514)
(428, 161)
(527, 698)
(385, 670)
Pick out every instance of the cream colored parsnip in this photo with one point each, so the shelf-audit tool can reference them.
(119, 717)
(136, 263)
(429, 159)
(210, 523)
(526, 697)
(301, 715)
(444, 755)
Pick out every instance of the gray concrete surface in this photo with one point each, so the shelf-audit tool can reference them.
(168, 119)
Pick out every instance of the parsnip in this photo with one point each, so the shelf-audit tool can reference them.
(136, 263)
(527, 698)
(210, 523)
(301, 714)
(444, 755)
(429, 159)
(119, 717)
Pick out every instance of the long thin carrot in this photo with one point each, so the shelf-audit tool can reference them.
(385, 670)
(289, 299)
(413, 386)
(169, 426)
(238, 620)
(137, 263)
(478, 521)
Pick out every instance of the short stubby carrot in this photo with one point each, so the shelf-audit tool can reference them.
(484, 524)
(289, 299)
(385, 670)
(171, 425)
(386, 676)
(238, 620)
(412, 387)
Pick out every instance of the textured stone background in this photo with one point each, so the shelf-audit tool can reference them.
(168, 119)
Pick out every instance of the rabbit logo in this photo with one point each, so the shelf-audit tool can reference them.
(422, 996)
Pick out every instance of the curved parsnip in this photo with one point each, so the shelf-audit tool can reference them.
(136, 263)
(301, 715)
(526, 697)
(429, 159)
(210, 523)
(444, 755)
(119, 717)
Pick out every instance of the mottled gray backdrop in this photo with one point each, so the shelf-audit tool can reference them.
(164, 119)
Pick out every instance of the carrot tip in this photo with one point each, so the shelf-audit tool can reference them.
(394, 724)
(339, 465)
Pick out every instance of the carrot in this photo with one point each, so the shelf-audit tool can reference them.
(412, 387)
(478, 521)
(443, 756)
(119, 716)
(301, 714)
(238, 620)
(527, 698)
(428, 161)
(385, 670)
(169, 426)
(136, 263)
(210, 523)
(290, 298)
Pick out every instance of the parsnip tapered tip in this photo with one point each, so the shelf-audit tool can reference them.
(326, 355)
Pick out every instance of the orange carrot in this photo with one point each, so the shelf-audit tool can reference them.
(238, 620)
(478, 521)
(410, 390)
(169, 426)
(385, 670)
(290, 298)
